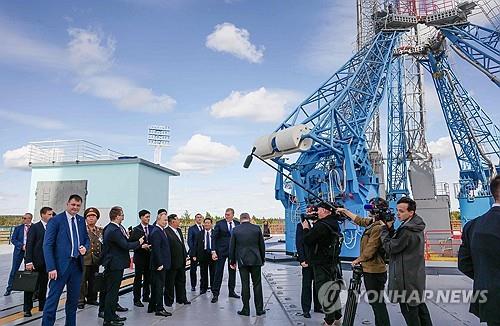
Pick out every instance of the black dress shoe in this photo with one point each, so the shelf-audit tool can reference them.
(120, 308)
(234, 295)
(215, 298)
(113, 323)
(93, 303)
(7, 293)
(120, 319)
(260, 313)
(244, 313)
(184, 302)
(81, 305)
(138, 304)
(203, 291)
(100, 314)
(27, 314)
(306, 315)
(163, 313)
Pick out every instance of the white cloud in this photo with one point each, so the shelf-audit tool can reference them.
(230, 39)
(201, 154)
(261, 105)
(124, 94)
(442, 147)
(32, 120)
(88, 57)
(17, 158)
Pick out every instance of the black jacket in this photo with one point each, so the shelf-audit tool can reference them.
(478, 259)
(406, 248)
(116, 248)
(221, 237)
(247, 246)
(321, 239)
(34, 246)
(141, 256)
(160, 249)
(199, 251)
(303, 250)
(178, 251)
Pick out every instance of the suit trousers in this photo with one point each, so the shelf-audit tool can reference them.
(207, 267)
(113, 280)
(41, 286)
(416, 315)
(309, 291)
(175, 281)
(88, 291)
(192, 272)
(142, 281)
(157, 289)
(254, 272)
(17, 259)
(219, 274)
(71, 278)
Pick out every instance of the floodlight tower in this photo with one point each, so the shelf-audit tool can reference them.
(158, 137)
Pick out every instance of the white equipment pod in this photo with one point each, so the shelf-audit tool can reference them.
(287, 141)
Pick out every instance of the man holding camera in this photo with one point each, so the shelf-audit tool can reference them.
(324, 238)
(405, 247)
(371, 256)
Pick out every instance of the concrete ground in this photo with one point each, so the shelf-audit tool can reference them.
(281, 285)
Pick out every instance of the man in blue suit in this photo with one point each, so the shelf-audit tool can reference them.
(66, 241)
(192, 236)
(18, 239)
(221, 236)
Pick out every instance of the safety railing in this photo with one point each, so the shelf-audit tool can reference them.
(442, 244)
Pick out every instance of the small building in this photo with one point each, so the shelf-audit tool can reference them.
(103, 178)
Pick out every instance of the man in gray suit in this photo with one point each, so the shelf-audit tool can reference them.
(247, 250)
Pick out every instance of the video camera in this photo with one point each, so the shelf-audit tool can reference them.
(312, 211)
(379, 209)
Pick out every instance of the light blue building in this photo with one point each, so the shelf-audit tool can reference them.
(103, 180)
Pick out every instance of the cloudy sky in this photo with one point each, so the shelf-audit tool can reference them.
(219, 72)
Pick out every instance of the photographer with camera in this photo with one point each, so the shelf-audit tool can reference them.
(371, 256)
(324, 239)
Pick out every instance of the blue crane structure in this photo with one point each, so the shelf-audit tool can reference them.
(322, 145)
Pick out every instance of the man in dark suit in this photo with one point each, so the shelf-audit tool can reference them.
(142, 259)
(478, 259)
(202, 254)
(248, 251)
(308, 291)
(36, 262)
(160, 263)
(192, 233)
(176, 276)
(18, 240)
(65, 242)
(116, 260)
(220, 251)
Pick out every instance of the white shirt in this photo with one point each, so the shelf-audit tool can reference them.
(230, 224)
(44, 224)
(176, 232)
(159, 227)
(495, 205)
(200, 227)
(209, 237)
(68, 217)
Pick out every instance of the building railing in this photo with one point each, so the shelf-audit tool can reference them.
(56, 151)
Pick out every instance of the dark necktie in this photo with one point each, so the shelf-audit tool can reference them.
(146, 233)
(207, 240)
(75, 237)
(124, 231)
(231, 227)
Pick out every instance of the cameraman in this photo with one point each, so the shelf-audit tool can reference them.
(371, 257)
(322, 238)
(406, 264)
